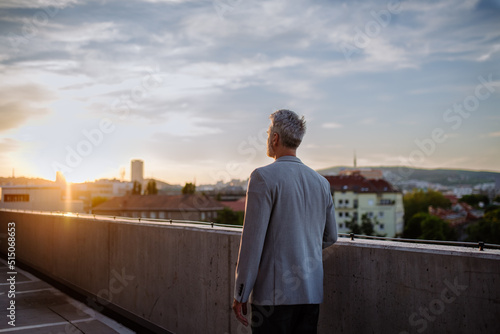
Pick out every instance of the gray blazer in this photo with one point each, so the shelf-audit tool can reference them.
(289, 219)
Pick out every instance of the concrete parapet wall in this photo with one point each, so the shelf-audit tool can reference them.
(181, 278)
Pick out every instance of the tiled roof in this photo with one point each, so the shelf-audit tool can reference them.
(359, 184)
(238, 205)
(160, 202)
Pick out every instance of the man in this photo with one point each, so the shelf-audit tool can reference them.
(289, 219)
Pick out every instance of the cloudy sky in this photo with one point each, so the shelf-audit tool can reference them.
(188, 86)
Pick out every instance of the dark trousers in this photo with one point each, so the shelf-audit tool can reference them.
(285, 319)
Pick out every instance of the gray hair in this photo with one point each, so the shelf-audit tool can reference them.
(288, 126)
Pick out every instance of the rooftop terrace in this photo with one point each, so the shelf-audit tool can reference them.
(174, 277)
(41, 308)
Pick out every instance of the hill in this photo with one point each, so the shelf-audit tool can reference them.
(24, 181)
(446, 177)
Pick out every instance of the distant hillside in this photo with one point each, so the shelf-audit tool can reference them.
(447, 177)
(24, 181)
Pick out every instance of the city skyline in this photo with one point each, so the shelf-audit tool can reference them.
(187, 86)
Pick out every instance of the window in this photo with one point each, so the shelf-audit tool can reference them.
(381, 226)
(346, 201)
(341, 225)
(341, 214)
(16, 198)
(144, 214)
(161, 215)
(370, 202)
(152, 214)
(381, 214)
(370, 214)
(341, 201)
(203, 216)
(347, 214)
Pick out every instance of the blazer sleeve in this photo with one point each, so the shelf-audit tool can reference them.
(330, 234)
(257, 214)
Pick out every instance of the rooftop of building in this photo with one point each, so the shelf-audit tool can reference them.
(42, 308)
(238, 205)
(162, 275)
(160, 202)
(357, 183)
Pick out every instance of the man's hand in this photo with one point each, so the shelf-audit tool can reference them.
(237, 308)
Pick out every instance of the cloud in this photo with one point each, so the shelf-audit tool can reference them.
(224, 73)
(494, 134)
(186, 125)
(368, 120)
(20, 103)
(35, 3)
(8, 144)
(331, 125)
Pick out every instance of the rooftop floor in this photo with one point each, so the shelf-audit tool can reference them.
(41, 308)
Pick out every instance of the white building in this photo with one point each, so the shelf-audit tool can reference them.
(38, 198)
(355, 195)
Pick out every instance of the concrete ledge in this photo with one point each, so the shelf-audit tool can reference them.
(180, 279)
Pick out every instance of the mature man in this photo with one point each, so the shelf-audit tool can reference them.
(289, 219)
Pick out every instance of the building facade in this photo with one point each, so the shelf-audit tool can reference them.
(39, 198)
(137, 171)
(355, 195)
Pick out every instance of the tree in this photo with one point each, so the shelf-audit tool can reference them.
(151, 188)
(353, 226)
(428, 227)
(367, 226)
(497, 199)
(419, 201)
(434, 228)
(474, 200)
(189, 188)
(98, 200)
(487, 229)
(137, 189)
(413, 229)
(229, 217)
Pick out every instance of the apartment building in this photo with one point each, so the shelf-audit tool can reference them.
(355, 195)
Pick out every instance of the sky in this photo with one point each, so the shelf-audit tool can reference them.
(188, 86)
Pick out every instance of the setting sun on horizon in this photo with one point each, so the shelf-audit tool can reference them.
(96, 86)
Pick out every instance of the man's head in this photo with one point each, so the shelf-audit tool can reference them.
(285, 132)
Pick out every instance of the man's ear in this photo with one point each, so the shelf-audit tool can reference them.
(276, 138)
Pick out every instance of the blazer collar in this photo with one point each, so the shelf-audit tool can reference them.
(288, 158)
